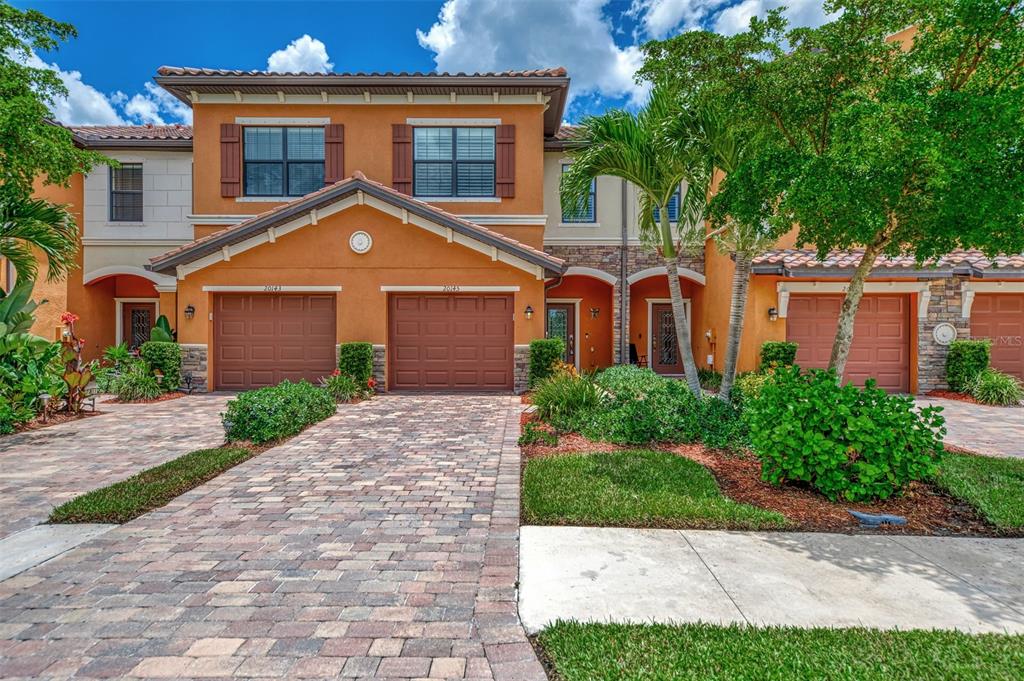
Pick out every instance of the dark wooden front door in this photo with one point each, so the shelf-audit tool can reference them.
(137, 320)
(561, 323)
(665, 357)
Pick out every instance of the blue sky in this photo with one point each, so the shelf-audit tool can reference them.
(109, 68)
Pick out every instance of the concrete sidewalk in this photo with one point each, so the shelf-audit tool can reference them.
(781, 578)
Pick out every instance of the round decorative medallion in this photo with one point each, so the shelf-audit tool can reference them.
(944, 333)
(360, 241)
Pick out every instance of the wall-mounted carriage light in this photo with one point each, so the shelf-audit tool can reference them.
(773, 314)
(190, 312)
(528, 312)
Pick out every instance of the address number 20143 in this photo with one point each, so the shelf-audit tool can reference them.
(450, 288)
(272, 288)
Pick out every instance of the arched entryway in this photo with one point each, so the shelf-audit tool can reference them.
(118, 305)
(580, 308)
(652, 335)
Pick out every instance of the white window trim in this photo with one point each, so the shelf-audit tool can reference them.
(278, 120)
(270, 288)
(784, 288)
(969, 288)
(450, 288)
(575, 302)
(650, 327)
(119, 313)
(456, 122)
(572, 225)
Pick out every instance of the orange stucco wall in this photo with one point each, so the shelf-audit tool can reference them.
(368, 148)
(594, 337)
(657, 287)
(47, 322)
(319, 255)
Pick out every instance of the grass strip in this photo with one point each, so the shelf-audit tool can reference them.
(152, 488)
(637, 488)
(705, 652)
(993, 486)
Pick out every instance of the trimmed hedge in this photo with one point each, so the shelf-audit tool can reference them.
(965, 361)
(165, 358)
(778, 354)
(276, 412)
(545, 354)
(356, 360)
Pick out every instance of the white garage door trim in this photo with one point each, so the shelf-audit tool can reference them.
(784, 288)
(969, 288)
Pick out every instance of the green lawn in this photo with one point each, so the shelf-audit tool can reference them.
(603, 652)
(994, 486)
(152, 488)
(633, 489)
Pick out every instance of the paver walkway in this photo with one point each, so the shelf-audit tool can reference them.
(381, 542)
(995, 431)
(40, 469)
(777, 578)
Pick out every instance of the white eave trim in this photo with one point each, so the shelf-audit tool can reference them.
(969, 288)
(271, 288)
(449, 288)
(662, 272)
(921, 288)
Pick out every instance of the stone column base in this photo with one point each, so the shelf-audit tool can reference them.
(193, 362)
(380, 374)
(521, 368)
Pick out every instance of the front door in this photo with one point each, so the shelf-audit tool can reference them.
(665, 357)
(137, 320)
(561, 323)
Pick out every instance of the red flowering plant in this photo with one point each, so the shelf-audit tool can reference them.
(77, 373)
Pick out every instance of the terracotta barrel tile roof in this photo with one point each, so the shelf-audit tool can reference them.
(805, 261)
(133, 132)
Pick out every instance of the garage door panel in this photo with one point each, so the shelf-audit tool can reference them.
(263, 339)
(446, 342)
(999, 317)
(881, 337)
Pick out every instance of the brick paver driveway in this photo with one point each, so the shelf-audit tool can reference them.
(995, 431)
(43, 468)
(380, 543)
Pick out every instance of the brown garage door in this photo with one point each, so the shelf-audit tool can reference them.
(449, 342)
(263, 339)
(881, 337)
(1000, 316)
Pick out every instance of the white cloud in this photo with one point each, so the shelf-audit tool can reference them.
(302, 54)
(156, 106)
(659, 18)
(737, 18)
(499, 35)
(84, 104)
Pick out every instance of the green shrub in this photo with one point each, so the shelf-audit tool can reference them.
(721, 426)
(165, 358)
(356, 360)
(709, 378)
(995, 387)
(532, 435)
(135, 382)
(966, 359)
(11, 415)
(642, 407)
(545, 354)
(748, 386)
(562, 399)
(846, 442)
(778, 354)
(341, 387)
(276, 412)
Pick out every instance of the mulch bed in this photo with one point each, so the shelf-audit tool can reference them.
(162, 398)
(950, 395)
(928, 510)
(54, 420)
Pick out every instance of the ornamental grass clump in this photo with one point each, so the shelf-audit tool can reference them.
(564, 398)
(857, 444)
(996, 388)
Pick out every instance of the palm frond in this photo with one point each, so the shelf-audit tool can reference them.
(28, 225)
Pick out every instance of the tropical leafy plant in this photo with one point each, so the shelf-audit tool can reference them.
(77, 372)
(995, 387)
(162, 333)
(341, 386)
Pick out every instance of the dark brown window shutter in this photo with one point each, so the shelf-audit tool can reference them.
(401, 157)
(334, 153)
(505, 161)
(230, 159)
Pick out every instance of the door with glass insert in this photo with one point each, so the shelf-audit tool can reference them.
(665, 357)
(137, 320)
(561, 323)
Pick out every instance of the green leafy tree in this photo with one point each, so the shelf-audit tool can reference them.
(635, 147)
(891, 146)
(28, 226)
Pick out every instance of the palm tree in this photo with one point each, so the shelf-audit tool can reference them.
(28, 225)
(635, 148)
(704, 131)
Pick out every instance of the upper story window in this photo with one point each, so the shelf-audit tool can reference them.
(584, 212)
(126, 193)
(453, 162)
(283, 161)
(673, 207)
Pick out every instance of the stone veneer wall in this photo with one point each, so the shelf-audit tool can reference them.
(193, 361)
(945, 305)
(521, 368)
(380, 374)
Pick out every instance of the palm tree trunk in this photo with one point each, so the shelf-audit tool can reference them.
(682, 326)
(737, 310)
(851, 303)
